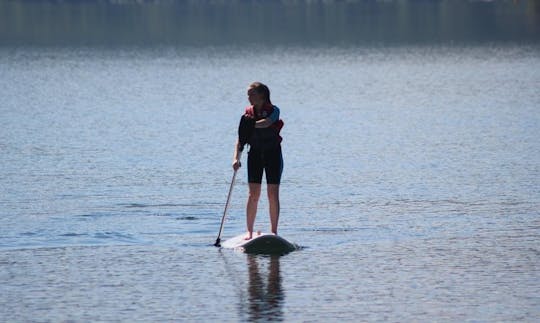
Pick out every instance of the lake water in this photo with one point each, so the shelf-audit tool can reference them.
(411, 180)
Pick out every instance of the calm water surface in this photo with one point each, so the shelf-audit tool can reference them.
(411, 180)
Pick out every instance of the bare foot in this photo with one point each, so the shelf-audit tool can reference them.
(248, 236)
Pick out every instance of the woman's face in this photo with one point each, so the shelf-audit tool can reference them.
(254, 97)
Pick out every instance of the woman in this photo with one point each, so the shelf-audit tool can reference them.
(259, 128)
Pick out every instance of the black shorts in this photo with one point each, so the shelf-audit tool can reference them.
(269, 161)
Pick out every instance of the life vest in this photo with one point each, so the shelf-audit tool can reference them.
(264, 137)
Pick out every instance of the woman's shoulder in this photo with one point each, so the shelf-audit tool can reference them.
(272, 109)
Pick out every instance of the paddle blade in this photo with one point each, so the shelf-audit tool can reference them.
(217, 244)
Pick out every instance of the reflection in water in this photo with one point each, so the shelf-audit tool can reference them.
(265, 298)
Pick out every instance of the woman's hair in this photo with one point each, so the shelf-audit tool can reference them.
(261, 89)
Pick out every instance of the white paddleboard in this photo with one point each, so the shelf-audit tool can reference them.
(263, 243)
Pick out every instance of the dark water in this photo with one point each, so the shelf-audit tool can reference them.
(411, 176)
(273, 23)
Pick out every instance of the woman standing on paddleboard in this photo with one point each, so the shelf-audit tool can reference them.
(259, 128)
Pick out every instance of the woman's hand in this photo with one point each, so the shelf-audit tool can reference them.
(236, 164)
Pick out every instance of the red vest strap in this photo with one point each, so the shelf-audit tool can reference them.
(267, 110)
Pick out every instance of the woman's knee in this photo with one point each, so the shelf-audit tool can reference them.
(254, 192)
(273, 191)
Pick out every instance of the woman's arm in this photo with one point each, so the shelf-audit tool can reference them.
(263, 123)
(268, 121)
(236, 157)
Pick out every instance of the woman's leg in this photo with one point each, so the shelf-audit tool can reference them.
(251, 208)
(273, 202)
(273, 178)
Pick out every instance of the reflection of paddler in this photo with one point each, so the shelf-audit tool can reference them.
(259, 128)
(265, 303)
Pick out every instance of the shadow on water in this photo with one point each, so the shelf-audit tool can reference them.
(265, 292)
(259, 289)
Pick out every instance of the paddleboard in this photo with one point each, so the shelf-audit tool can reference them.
(263, 243)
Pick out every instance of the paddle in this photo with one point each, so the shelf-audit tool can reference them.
(245, 130)
(218, 240)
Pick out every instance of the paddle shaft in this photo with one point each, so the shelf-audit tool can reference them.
(217, 244)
